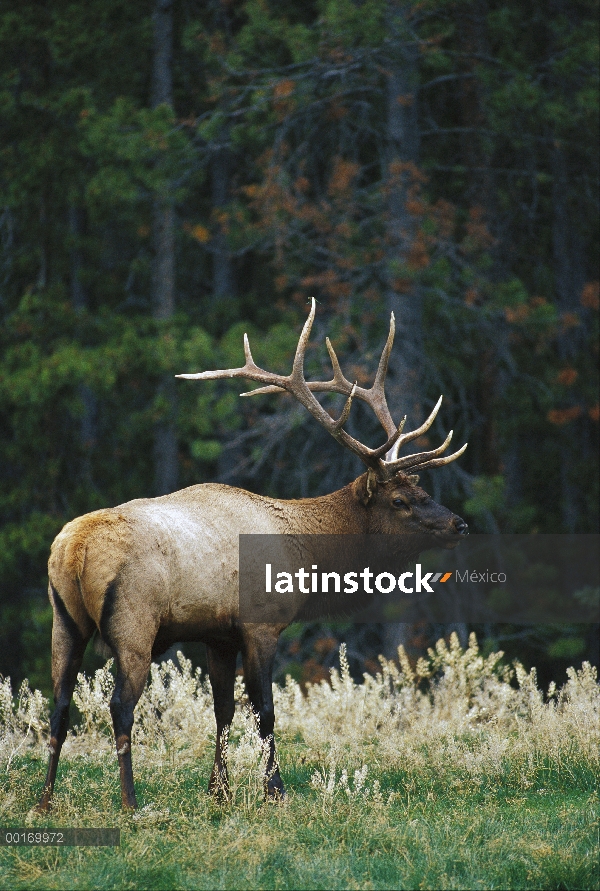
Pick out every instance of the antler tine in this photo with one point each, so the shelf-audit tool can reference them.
(439, 462)
(414, 434)
(374, 396)
(303, 391)
(250, 371)
(419, 457)
(339, 384)
(298, 366)
(385, 355)
(260, 391)
(346, 412)
(338, 376)
(247, 353)
(378, 401)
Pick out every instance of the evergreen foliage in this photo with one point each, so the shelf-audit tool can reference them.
(435, 158)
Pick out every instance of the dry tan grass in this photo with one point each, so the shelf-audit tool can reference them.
(460, 774)
(456, 707)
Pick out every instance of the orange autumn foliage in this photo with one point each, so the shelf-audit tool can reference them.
(302, 184)
(562, 416)
(444, 216)
(516, 313)
(336, 111)
(590, 296)
(283, 88)
(342, 176)
(567, 377)
(200, 233)
(418, 258)
(570, 320)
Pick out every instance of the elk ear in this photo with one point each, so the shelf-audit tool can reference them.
(365, 486)
(413, 479)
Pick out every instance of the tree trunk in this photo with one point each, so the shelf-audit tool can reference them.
(224, 288)
(87, 430)
(403, 296)
(162, 77)
(223, 277)
(163, 279)
(481, 197)
(42, 279)
(569, 278)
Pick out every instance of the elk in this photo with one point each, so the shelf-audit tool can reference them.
(155, 571)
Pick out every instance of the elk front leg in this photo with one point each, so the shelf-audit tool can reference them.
(132, 671)
(68, 647)
(221, 671)
(258, 656)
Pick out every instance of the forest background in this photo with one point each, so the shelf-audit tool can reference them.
(174, 173)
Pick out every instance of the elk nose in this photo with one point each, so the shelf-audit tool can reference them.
(460, 526)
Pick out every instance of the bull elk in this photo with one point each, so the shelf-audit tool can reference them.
(155, 571)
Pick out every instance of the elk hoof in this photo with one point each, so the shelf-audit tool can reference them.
(45, 803)
(220, 797)
(129, 804)
(218, 789)
(44, 806)
(275, 790)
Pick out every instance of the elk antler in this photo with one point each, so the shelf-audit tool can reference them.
(303, 390)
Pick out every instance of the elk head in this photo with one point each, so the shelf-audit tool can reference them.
(398, 506)
(389, 488)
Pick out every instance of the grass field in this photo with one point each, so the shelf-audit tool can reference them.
(450, 777)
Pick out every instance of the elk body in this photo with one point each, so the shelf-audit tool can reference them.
(155, 571)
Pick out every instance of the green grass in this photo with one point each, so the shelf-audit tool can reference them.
(439, 830)
(461, 774)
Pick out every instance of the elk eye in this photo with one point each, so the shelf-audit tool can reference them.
(398, 502)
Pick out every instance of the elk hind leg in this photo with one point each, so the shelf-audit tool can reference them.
(132, 672)
(68, 646)
(130, 631)
(258, 656)
(221, 671)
